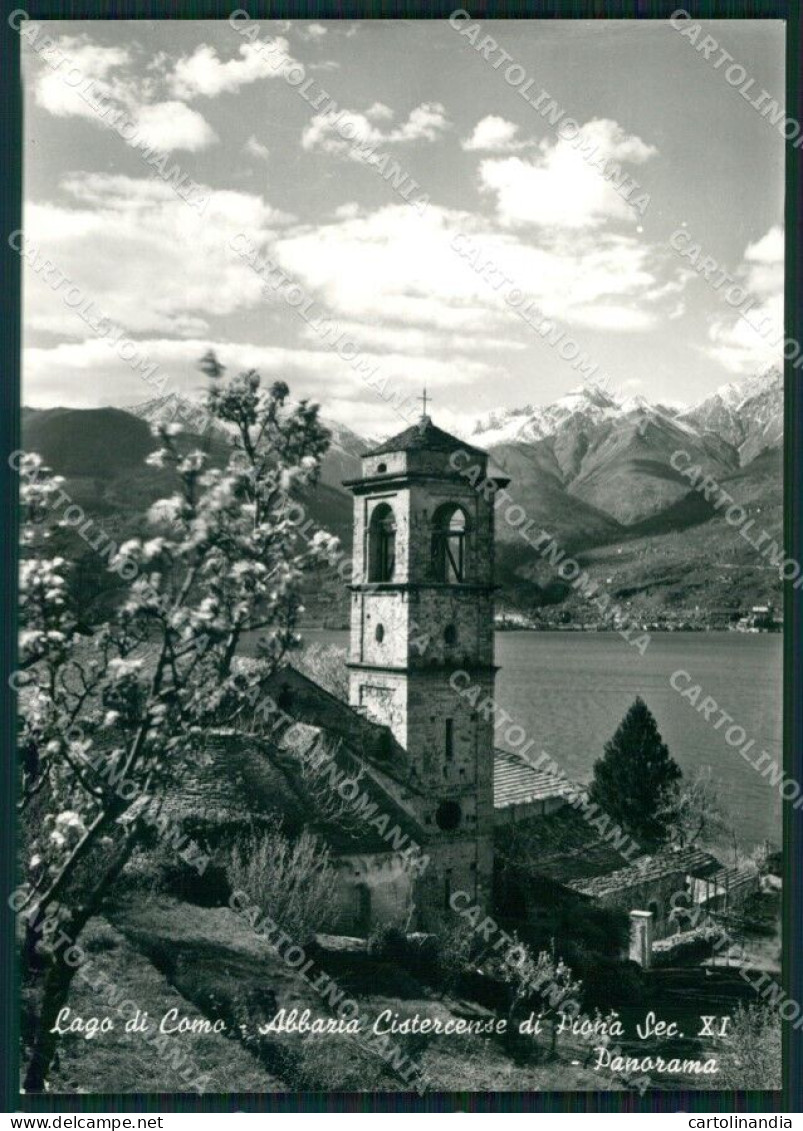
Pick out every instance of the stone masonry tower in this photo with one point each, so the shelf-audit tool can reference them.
(422, 610)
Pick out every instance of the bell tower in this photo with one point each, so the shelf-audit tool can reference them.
(422, 610)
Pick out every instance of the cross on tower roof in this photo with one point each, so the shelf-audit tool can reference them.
(424, 400)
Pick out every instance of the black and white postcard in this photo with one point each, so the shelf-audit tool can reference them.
(403, 572)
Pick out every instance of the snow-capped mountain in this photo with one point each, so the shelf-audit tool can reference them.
(341, 460)
(748, 414)
(741, 411)
(592, 469)
(585, 405)
(614, 453)
(176, 408)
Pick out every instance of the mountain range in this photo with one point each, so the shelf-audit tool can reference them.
(614, 455)
(591, 468)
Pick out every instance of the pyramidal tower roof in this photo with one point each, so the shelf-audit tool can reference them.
(423, 436)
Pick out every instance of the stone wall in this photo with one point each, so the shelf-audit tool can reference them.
(372, 891)
(461, 864)
(383, 696)
(526, 810)
(408, 636)
(653, 895)
(385, 646)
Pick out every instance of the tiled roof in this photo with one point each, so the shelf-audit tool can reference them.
(280, 772)
(689, 861)
(244, 783)
(424, 436)
(560, 846)
(516, 782)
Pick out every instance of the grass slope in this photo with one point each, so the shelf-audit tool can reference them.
(127, 1062)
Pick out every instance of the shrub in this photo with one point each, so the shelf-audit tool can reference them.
(388, 942)
(750, 1055)
(293, 881)
(456, 948)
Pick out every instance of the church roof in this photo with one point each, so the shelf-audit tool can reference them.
(424, 436)
(517, 783)
(242, 783)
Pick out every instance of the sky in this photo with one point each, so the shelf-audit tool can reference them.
(419, 278)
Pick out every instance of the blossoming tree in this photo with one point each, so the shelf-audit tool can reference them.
(110, 718)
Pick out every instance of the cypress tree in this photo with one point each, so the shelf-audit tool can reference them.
(631, 778)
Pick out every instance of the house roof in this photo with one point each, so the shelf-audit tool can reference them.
(560, 846)
(686, 861)
(424, 436)
(517, 783)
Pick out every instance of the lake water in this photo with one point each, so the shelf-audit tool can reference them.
(569, 690)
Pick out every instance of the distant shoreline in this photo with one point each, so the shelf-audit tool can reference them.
(591, 631)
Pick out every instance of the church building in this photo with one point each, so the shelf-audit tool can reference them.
(403, 783)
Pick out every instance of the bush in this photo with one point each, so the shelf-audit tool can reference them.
(750, 1055)
(388, 942)
(455, 949)
(293, 881)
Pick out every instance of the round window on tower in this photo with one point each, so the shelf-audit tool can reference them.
(447, 816)
(450, 635)
(381, 467)
(380, 633)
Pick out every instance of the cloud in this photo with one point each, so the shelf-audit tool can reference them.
(313, 31)
(565, 185)
(425, 123)
(394, 268)
(348, 210)
(89, 373)
(348, 133)
(91, 61)
(204, 74)
(495, 135)
(414, 340)
(256, 148)
(113, 92)
(147, 260)
(379, 112)
(173, 125)
(610, 316)
(769, 249)
(764, 263)
(750, 343)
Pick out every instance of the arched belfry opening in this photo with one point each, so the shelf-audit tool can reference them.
(450, 537)
(382, 544)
